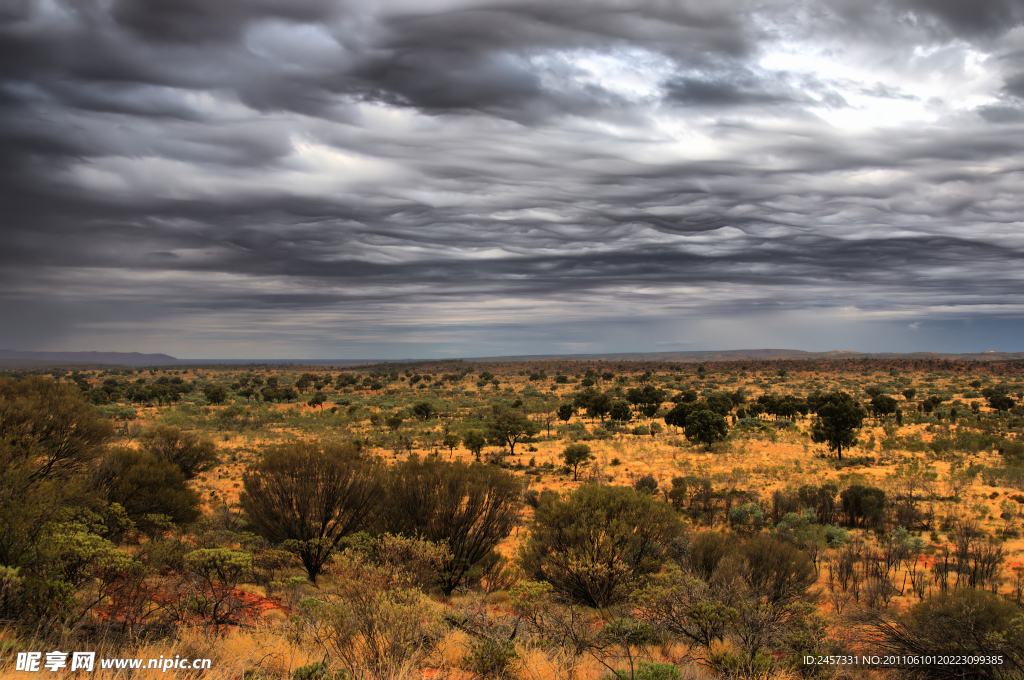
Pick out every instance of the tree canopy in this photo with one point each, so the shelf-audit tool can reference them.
(310, 497)
(576, 455)
(470, 508)
(508, 426)
(705, 426)
(189, 452)
(838, 420)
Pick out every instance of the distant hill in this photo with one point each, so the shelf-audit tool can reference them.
(755, 354)
(9, 357)
(14, 358)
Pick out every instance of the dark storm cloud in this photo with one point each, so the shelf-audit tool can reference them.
(442, 173)
(973, 18)
(191, 21)
(1015, 84)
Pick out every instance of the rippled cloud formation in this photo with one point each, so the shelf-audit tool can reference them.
(385, 179)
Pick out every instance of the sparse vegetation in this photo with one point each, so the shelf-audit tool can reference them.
(517, 520)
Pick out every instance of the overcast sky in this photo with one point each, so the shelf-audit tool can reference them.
(446, 178)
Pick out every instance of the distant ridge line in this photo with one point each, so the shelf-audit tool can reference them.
(18, 358)
(115, 358)
(756, 354)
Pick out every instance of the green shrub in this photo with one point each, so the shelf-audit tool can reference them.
(189, 452)
(146, 486)
(740, 664)
(646, 484)
(490, 658)
(863, 505)
(595, 544)
(747, 517)
(374, 631)
(319, 671)
(648, 671)
(966, 621)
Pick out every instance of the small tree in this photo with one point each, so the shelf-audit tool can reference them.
(211, 577)
(450, 441)
(883, 405)
(470, 508)
(309, 498)
(48, 428)
(839, 419)
(677, 416)
(706, 427)
(1000, 401)
(575, 455)
(863, 505)
(599, 406)
(424, 410)
(475, 442)
(49, 436)
(215, 394)
(566, 412)
(620, 412)
(508, 427)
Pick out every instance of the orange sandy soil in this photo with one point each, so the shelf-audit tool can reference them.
(757, 462)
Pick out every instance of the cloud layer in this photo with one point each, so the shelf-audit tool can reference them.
(313, 178)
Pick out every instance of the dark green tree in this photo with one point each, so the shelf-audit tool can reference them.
(838, 420)
(191, 453)
(450, 441)
(470, 508)
(566, 412)
(863, 505)
(309, 497)
(874, 391)
(1000, 401)
(620, 412)
(304, 381)
(720, 403)
(706, 427)
(215, 394)
(475, 442)
(883, 405)
(646, 398)
(677, 416)
(146, 486)
(599, 406)
(424, 410)
(317, 399)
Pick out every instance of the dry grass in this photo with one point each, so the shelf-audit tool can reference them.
(758, 461)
